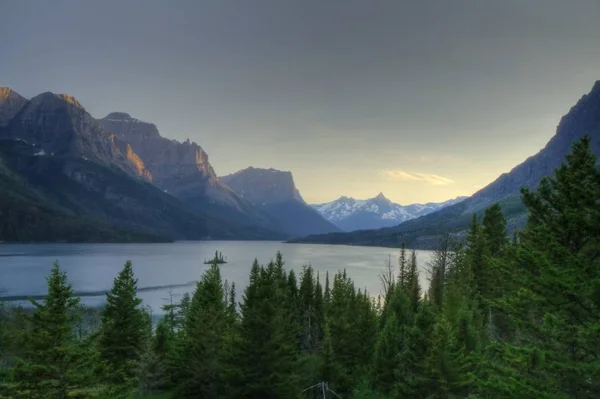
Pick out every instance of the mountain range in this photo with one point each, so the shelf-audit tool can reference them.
(424, 232)
(274, 193)
(351, 214)
(66, 176)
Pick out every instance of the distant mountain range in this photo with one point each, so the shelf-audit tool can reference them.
(274, 192)
(66, 176)
(424, 232)
(350, 214)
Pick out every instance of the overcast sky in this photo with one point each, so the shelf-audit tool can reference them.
(422, 100)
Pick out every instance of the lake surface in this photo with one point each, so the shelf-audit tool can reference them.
(176, 267)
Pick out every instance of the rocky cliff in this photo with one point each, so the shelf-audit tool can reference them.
(182, 169)
(59, 125)
(263, 186)
(11, 102)
(274, 192)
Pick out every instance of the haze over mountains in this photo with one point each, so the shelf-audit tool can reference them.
(350, 214)
(424, 232)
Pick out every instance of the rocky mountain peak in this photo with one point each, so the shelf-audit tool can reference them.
(181, 168)
(381, 198)
(118, 116)
(60, 125)
(11, 103)
(6, 92)
(71, 100)
(263, 186)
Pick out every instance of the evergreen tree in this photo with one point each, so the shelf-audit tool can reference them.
(402, 266)
(386, 360)
(556, 305)
(54, 364)
(327, 292)
(265, 358)
(123, 330)
(412, 282)
(476, 257)
(308, 315)
(203, 347)
(494, 230)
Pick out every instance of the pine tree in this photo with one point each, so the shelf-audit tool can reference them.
(308, 316)
(203, 348)
(413, 376)
(494, 230)
(476, 257)
(123, 330)
(327, 292)
(556, 305)
(412, 281)
(386, 365)
(402, 266)
(54, 364)
(265, 358)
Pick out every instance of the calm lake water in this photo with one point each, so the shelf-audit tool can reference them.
(176, 267)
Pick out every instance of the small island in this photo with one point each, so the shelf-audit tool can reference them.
(217, 260)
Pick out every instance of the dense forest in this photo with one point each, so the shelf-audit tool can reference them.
(502, 317)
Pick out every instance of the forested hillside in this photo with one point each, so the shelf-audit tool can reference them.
(503, 317)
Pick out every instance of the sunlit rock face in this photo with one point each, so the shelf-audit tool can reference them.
(180, 168)
(11, 103)
(60, 126)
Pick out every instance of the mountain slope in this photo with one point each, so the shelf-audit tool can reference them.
(56, 154)
(274, 192)
(11, 103)
(58, 124)
(583, 118)
(85, 189)
(27, 215)
(350, 214)
(183, 170)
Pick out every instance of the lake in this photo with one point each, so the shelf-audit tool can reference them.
(176, 267)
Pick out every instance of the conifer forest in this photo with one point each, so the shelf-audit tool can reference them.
(505, 315)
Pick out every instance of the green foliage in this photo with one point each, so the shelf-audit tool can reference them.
(53, 363)
(123, 331)
(265, 356)
(202, 350)
(500, 319)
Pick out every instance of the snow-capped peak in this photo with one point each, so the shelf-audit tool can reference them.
(352, 214)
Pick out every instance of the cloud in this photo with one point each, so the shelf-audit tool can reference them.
(427, 178)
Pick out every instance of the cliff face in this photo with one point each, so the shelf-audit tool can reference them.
(11, 103)
(182, 169)
(59, 125)
(263, 186)
(274, 192)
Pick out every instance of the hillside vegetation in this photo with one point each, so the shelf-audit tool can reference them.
(502, 318)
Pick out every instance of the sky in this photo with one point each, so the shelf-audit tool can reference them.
(421, 100)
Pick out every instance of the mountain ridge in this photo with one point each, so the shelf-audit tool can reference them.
(351, 214)
(583, 118)
(55, 153)
(275, 193)
(183, 170)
